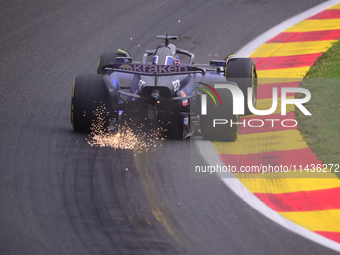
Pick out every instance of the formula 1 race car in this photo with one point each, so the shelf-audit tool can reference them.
(161, 91)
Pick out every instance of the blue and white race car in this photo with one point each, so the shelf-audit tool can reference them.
(162, 92)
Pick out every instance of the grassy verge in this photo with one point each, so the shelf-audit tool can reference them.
(321, 131)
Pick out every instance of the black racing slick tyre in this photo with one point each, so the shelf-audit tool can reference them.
(243, 72)
(107, 59)
(219, 123)
(90, 104)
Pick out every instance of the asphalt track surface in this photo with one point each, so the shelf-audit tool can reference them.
(58, 195)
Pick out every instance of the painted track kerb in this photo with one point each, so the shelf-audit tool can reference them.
(250, 47)
(207, 149)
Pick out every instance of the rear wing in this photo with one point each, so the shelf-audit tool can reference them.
(153, 70)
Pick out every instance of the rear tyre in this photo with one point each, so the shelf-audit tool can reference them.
(107, 59)
(90, 104)
(222, 113)
(243, 72)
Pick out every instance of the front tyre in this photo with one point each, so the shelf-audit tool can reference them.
(107, 59)
(90, 104)
(243, 72)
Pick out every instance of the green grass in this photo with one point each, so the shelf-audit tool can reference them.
(321, 131)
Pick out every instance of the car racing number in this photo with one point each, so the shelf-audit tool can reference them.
(176, 84)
